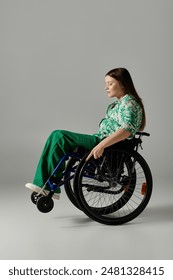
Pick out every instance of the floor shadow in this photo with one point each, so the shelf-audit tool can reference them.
(152, 214)
(77, 218)
(84, 220)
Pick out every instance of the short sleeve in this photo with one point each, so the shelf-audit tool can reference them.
(130, 116)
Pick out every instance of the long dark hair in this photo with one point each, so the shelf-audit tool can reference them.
(123, 76)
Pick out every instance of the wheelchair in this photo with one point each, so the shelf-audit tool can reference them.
(111, 190)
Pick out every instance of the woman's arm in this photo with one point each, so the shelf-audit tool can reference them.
(117, 136)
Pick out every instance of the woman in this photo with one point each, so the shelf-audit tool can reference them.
(124, 117)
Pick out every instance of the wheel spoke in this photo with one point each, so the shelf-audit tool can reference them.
(110, 189)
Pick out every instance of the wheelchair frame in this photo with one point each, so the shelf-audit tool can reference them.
(105, 213)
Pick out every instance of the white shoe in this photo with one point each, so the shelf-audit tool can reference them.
(37, 189)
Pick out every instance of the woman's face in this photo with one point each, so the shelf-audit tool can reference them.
(113, 87)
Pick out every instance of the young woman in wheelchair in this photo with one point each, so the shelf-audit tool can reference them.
(124, 117)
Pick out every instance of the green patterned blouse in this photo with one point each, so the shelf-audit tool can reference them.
(126, 114)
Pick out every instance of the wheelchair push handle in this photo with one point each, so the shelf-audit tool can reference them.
(140, 133)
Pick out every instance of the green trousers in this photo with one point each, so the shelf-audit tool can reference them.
(59, 143)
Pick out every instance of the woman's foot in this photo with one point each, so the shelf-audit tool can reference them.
(37, 189)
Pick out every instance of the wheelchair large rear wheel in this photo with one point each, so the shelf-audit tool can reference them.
(114, 189)
(68, 185)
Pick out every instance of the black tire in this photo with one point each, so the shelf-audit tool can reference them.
(45, 204)
(106, 198)
(68, 185)
(35, 197)
(96, 171)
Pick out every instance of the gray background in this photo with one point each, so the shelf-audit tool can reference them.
(54, 55)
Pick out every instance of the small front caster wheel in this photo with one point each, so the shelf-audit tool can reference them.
(45, 204)
(35, 197)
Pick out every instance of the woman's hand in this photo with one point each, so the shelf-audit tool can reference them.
(117, 136)
(96, 152)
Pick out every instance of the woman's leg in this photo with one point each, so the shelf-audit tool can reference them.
(59, 143)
